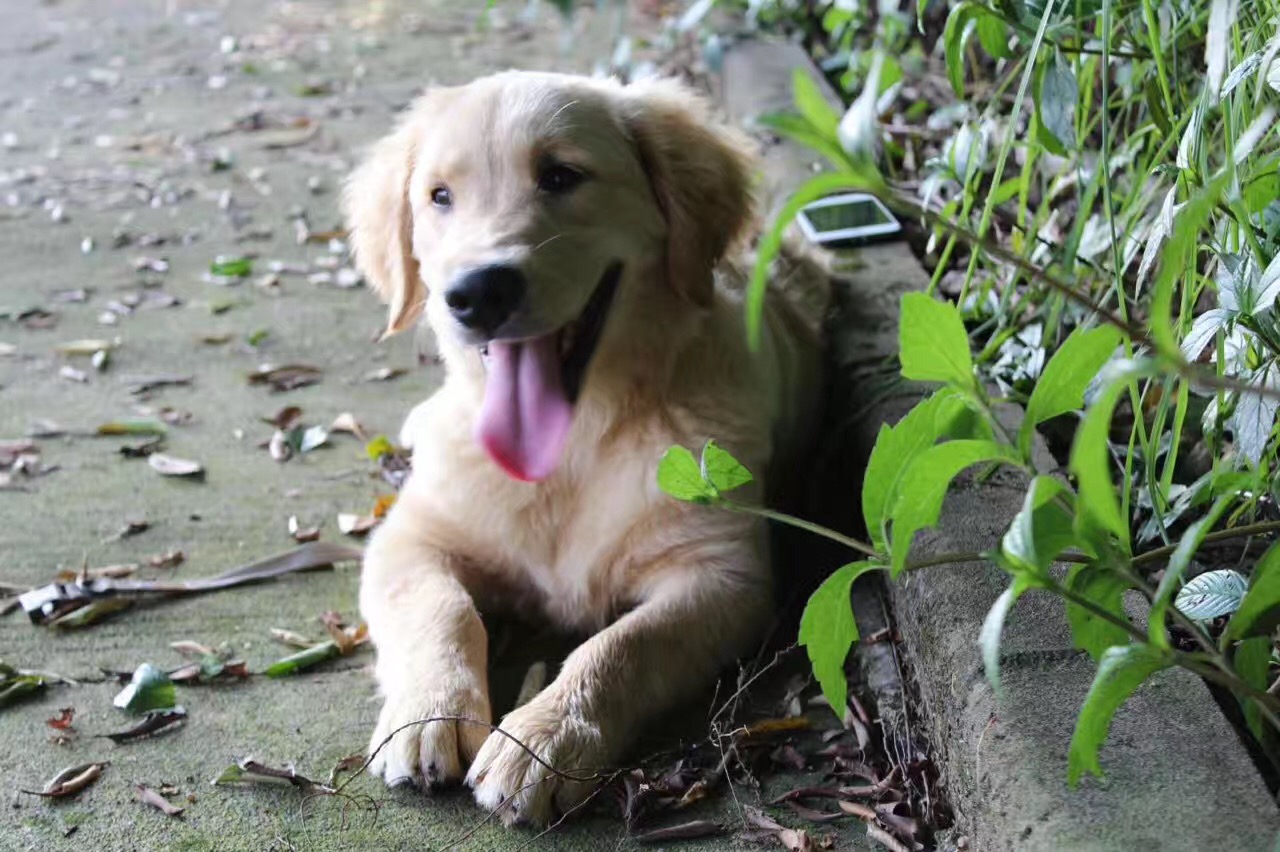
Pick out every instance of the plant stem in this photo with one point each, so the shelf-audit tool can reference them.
(817, 529)
(1259, 528)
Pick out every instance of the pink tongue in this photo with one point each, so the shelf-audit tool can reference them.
(526, 415)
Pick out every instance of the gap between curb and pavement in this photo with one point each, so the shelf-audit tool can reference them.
(1178, 777)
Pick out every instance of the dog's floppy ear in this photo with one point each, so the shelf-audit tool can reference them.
(701, 174)
(376, 206)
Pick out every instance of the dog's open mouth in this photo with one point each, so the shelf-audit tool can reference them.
(532, 385)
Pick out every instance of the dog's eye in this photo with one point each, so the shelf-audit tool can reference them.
(558, 178)
(442, 197)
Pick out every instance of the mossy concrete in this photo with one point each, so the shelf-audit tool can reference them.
(122, 91)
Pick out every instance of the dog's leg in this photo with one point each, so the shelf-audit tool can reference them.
(691, 622)
(432, 650)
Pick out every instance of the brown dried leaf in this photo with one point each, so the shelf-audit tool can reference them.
(150, 797)
(62, 722)
(286, 378)
(284, 418)
(152, 723)
(71, 780)
(861, 811)
(356, 525)
(346, 422)
(169, 559)
(683, 831)
(813, 814)
(347, 764)
(301, 533)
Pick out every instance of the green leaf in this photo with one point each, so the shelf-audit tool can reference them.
(1040, 531)
(1259, 612)
(680, 476)
(993, 35)
(232, 267)
(924, 486)
(894, 450)
(797, 128)
(954, 36)
(771, 242)
(933, 344)
(1178, 259)
(1063, 382)
(1212, 594)
(150, 689)
(304, 659)
(1177, 569)
(1098, 510)
(721, 469)
(1105, 588)
(813, 105)
(992, 627)
(1121, 671)
(1252, 661)
(378, 447)
(1055, 100)
(827, 631)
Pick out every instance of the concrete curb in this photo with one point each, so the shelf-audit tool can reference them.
(1178, 776)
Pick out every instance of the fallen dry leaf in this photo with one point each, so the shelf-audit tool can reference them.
(170, 559)
(346, 422)
(63, 721)
(284, 418)
(683, 831)
(347, 764)
(885, 839)
(385, 374)
(286, 378)
(152, 723)
(71, 374)
(108, 572)
(356, 525)
(71, 780)
(301, 533)
(861, 811)
(150, 797)
(173, 466)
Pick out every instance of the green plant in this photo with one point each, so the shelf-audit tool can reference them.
(1105, 207)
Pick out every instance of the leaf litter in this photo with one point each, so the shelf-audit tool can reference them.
(70, 781)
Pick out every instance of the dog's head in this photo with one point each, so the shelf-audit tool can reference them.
(518, 213)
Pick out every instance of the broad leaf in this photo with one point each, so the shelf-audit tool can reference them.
(1212, 594)
(1062, 384)
(933, 344)
(896, 446)
(827, 631)
(150, 689)
(1098, 510)
(954, 36)
(813, 105)
(1179, 259)
(1105, 588)
(680, 476)
(924, 486)
(992, 627)
(1056, 105)
(1254, 417)
(1252, 661)
(721, 469)
(1259, 612)
(1203, 331)
(1040, 531)
(1121, 671)
(1177, 569)
(1217, 42)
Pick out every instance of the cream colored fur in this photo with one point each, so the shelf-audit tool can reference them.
(670, 591)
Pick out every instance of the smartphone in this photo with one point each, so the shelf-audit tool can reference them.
(850, 219)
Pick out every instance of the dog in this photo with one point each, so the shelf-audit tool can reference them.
(577, 247)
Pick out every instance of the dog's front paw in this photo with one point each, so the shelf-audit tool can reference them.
(507, 778)
(430, 754)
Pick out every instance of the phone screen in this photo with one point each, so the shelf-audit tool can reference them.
(839, 217)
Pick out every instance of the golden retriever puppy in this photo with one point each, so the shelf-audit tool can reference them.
(564, 237)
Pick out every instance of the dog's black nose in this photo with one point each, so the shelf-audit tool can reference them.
(483, 298)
